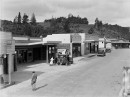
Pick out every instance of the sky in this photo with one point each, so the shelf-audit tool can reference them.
(108, 11)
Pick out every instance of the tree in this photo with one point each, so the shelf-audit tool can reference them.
(15, 20)
(25, 19)
(33, 19)
(100, 24)
(96, 23)
(19, 18)
(70, 15)
(27, 30)
(66, 26)
(91, 30)
(85, 21)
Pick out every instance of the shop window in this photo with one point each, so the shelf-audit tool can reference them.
(30, 54)
(78, 48)
(49, 50)
(53, 50)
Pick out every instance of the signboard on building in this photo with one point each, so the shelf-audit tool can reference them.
(61, 51)
(75, 38)
(5, 40)
(2, 47)
(10, 47)
(63, 46)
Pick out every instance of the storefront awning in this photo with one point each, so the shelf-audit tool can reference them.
(24, 43)
(51, 42)
(89, 41)
(122, 42)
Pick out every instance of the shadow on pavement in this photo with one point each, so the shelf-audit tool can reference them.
(91, 56)
(88, 57)
(21, 76)
(41, 87)
(24, 72)
(28, 65)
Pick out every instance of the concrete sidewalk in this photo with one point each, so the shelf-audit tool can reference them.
(23, 75)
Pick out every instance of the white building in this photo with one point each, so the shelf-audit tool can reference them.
(72, 42)
(7, 55)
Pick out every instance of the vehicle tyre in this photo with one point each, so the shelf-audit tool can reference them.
(104, 54)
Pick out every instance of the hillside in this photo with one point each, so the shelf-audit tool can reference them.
(109, 31)
(65, 25)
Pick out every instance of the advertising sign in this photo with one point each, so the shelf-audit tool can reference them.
(6, 43)
(10, 46)
(62, 51)
(75, 38)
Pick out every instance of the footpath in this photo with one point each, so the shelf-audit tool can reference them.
(23, 75)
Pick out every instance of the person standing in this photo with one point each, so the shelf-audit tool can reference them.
(33, 80)
(51, 61)
(126, 81)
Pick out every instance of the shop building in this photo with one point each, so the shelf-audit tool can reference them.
(29, 49)
(120, 43)
(91, 44)
(71, 42)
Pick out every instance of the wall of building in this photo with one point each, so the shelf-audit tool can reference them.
(64, 38)
(82, 43)
(67, 41)
(64, 46)
(7, 52)
(86, 49)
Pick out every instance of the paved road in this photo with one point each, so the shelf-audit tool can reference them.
(98, 77)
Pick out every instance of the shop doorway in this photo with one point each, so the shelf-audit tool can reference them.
(51, 51)
(76, 49)
(36, 53)
(43, 55)
(22, 56)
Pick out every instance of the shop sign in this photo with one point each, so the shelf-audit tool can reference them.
(63, 46)
(4, 37)
(9, 42)
(75, 37)
(10, 46)
(2, 47)
(62, 51)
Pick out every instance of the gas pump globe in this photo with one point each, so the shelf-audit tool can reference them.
(4, 56)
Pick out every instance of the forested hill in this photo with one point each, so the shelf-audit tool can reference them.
(71, 24)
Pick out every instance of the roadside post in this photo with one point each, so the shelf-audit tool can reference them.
(10, 52)
(9, 69)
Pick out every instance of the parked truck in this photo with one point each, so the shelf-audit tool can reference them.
(102, 47)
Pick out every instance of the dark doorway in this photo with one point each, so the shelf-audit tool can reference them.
(43, 55)
(51, 51)
(36, 53)
(76, 49)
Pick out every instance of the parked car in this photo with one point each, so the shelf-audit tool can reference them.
(63, 59)
(102, 47)
(108, 47)
(102, 52)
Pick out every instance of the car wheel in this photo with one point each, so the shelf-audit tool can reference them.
(104, 54)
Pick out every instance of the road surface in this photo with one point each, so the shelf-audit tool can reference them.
(98, 77)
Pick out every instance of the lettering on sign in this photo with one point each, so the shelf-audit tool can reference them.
(75, 37)
(9, 42)
(11, 47)
(63, 46)
(5, 39)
